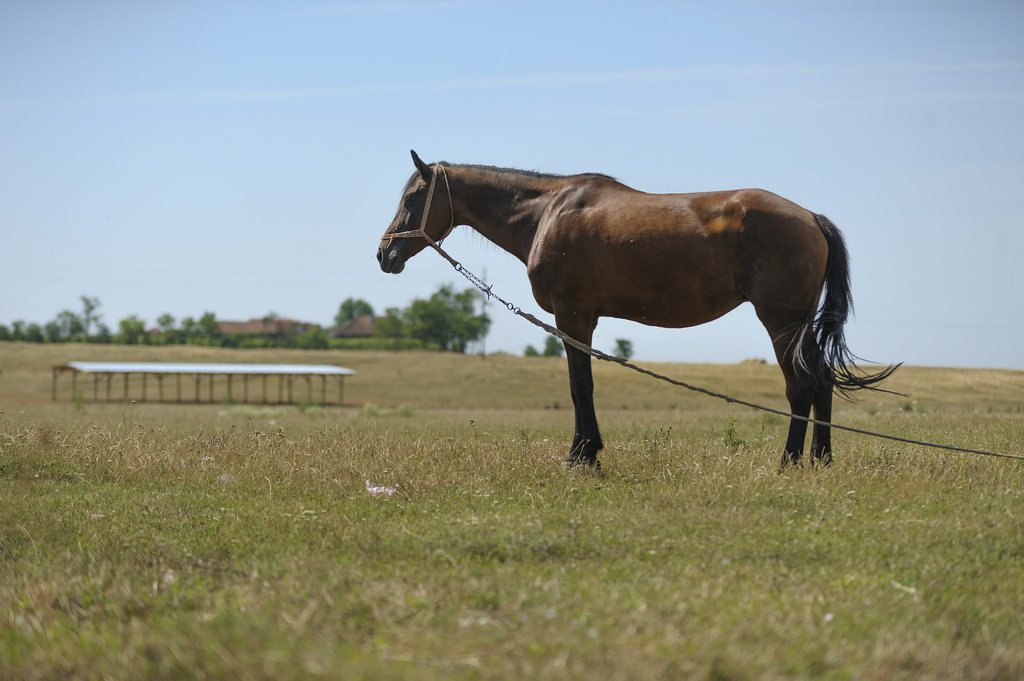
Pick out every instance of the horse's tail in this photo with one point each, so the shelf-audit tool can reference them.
(837, 364)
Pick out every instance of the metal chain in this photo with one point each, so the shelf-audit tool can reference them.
(488, 291)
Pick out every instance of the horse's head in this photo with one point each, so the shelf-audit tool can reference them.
(395, 250)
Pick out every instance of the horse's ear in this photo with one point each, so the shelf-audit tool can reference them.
(424, 169)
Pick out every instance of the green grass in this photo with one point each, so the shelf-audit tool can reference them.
(160, 541)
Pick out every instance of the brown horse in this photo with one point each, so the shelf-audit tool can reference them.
(594, 247)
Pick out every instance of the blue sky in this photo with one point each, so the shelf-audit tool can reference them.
(244, 157)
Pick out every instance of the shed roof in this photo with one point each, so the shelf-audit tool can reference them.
(204, 368)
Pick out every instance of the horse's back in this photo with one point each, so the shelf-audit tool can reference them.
(672, 259)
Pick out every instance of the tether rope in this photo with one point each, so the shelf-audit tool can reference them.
(487, 290)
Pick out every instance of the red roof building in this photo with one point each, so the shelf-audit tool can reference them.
(360, 327)
(265, 327)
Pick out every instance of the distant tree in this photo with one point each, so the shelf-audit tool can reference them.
(103, 334)
(168, 333)
(270, 322)
(351, 308)
(5, 332)
(208, 331)
(165, 322)
(553, 347)
(18, 330)
(34, 333)
(446, 319)
(72, 328)
(530, 351)
(89, 317)
(390, 325)
(51, 332)
(131, 331)
(278, 334)
(189, 330)
(623, 348)
(313, 339)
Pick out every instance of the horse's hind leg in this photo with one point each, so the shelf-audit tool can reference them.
(788, 340)
(821, 441)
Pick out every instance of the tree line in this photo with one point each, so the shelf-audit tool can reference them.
(554, 348)
(447, 320)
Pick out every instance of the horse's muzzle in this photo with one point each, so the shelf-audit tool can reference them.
(389, 260)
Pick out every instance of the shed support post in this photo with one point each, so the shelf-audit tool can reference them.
(144, 375)
(211, 376)
(280, 388)
(110, 378)
(323, 390)
(96, 388)
(231, 398)
(245, 388)
(178, 380)
(290, 401)
(264, 388)
(160, 387)
(126, 386)
(196, 380)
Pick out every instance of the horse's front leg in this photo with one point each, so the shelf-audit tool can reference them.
(586, 440)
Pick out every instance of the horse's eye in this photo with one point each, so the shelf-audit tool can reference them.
(409, 200)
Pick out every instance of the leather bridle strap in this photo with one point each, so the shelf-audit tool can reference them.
(422, 231)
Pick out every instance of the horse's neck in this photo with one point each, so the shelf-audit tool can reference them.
(504, 208)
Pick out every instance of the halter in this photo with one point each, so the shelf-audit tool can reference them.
(422, 231)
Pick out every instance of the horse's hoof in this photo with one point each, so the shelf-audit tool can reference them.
(790, 459)
(821, 459)
(583, 455)
(582, 461)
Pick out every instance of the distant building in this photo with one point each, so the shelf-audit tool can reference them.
(265, 327)
(360, 327)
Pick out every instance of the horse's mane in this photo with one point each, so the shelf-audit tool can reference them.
(533, 174)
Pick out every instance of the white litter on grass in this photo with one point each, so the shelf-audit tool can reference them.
(905, 589)
(381, 491)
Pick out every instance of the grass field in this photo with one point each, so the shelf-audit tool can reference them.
(229, 540)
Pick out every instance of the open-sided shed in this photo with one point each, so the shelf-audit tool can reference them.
(208, 381)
